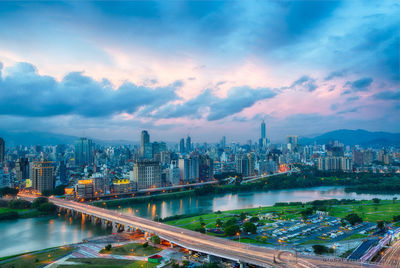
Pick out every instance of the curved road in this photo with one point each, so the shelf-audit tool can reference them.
(215, 246)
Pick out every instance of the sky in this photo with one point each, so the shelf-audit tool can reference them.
(207, 69)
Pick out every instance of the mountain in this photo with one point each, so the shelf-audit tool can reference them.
(47, 138)
(353, 137)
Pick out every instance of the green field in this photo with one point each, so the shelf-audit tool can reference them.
(37, 259)
(107, 263)
(368, 210)
(133, 249)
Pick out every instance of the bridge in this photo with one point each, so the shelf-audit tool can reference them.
(244, 254)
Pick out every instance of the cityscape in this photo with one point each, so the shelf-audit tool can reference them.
(199, 134)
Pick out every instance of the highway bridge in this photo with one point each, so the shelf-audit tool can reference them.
(244, 254)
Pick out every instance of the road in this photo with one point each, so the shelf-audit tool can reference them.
(244, 253)
(391, 258)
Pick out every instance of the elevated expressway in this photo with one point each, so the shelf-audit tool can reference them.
(214, 246)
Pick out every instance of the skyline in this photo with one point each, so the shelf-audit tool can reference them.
(175, 68)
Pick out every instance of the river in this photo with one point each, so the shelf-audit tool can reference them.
(37, 233)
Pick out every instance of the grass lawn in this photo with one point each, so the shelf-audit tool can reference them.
(107, 263)
(315, 241)
(132, 249)
(251, 241)
(355, 236)
(368, 210)
(34, 260)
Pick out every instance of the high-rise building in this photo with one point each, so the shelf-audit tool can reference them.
(147, 174)
(188, 144)
(84, 148)
(292, 143)
(22, 169)
(206, 168)
(263, 130)
(173, 175)
(242, 164)
(184, 169)
(146, 148)
(223, 142)
(182, 146)
(42, 176)
(2, 150)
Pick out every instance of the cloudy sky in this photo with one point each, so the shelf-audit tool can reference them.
(108, 70)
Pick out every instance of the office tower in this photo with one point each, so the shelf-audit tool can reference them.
(146, 148)
(251, 161)
(147, 174)
(42, 176)
(223, 142)
(61, 172)
(188, 144)
(206, 168)
(184, 169)
(263, 130)
(292, 142)
(173, 175)
(194, 168)
(263, 139)
(22, 169)
(242, 164)
(182, 146)
(2, 150)
(84, 151)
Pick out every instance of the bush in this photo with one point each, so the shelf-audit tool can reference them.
(231, 230)
(155, 239)
(353, 218)
(38, 201)
(230, 221)
(320, 249)
(249, 227)
(200, 229)
(8, 190)
(254, 219)
(146, 244)
(376, 200)
(47, 207)
(108, 247)
(9, 215)
(3, 203)
(19, 204)
(396, 218)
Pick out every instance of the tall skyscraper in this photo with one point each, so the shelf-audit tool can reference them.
(146, 148)
(147, 174)
(2, 150)
(263, 138)
(188, 144)
(223, 142)
(84, 151)
(182, 146)
(42, 175)
(22, 169)
(292, 142)
(263, 130)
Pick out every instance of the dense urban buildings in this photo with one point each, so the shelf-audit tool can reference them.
(2, 150)
(84, 151)
(42, 176)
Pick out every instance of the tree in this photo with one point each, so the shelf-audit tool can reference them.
(376, 200)
(230, 221)
(254, 219)
(249, 227)
(231, 230)
(200, 229)
(38, 201)
(19, 204)
(146, 244)
(307, 212)
(108, 247)
(8, 191)
(218, 223)
(320, 249)
(155, 239)
(47, 207)
(396, 218)
(394, 200)
(353, 218)
(242, 216)
(380, 225)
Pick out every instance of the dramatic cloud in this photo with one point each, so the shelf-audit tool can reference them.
(237, 100)
(360, 84)
(26, 93)
(388, 95)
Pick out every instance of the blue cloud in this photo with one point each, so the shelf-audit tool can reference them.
(360, 84)
(387, 95)
(26, 93)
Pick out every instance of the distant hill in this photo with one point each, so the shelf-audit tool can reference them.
(47, 138)
(353, 137)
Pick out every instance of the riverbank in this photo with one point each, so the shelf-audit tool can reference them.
(281, 182)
